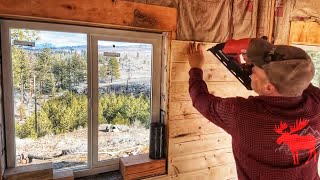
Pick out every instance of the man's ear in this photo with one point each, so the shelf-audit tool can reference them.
(270, 89)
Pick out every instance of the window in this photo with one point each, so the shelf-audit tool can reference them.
(124, 76)
(314, 53)
(79, 97)
(49, 97)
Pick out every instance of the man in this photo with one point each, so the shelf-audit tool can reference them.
(275, 134)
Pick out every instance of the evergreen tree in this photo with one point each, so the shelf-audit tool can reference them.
(22, 66)
(44, 71)
(113, 69)
(78, 66)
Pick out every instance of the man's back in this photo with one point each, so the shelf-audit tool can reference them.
(277, 137)
(272, 137)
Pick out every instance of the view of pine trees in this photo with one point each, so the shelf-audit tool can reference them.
(315, 56)
(46, 84)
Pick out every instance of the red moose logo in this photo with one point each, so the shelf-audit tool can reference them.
(295, 141)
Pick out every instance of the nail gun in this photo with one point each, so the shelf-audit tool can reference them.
(232, 55)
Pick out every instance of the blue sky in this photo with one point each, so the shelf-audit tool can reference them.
(59, 39)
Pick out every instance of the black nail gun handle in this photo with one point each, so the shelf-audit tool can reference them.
(232, 65)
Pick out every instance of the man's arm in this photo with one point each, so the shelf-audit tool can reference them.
(220, 111)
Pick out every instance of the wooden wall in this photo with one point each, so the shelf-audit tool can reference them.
(106, 13)
(198, 149)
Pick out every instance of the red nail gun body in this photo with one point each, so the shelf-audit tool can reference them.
(231, 54)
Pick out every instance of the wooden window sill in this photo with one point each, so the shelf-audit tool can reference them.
(141, 166)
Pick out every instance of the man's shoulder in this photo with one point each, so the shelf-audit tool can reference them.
(242, 101)
(313, 91)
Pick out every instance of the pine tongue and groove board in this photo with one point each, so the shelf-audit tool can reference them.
(180, 90)
(179, 52)
(199, 161)
(213, 69)
(192, 127)
(211, 72)
(223, 172)
(198, 144)
(182, 110)
(117, 13)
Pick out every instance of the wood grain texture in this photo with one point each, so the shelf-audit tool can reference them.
(199, 161)
(211, 72)
(306, 33)
(192, 127)
(223, 172)
(179, 52)
(38, 171)
(180, 90)
(166, 3)
(199, 144)
(120, 13)
(213, 69)
(139, 166)
(182, 110)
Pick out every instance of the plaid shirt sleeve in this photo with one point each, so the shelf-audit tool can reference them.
(314, 92)
(220, 111)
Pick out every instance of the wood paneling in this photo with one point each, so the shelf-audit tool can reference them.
(192, 127)
(179, 51)
(223, 172)
(180, 90)
(118, 13)
(182, 110)
(211, 72)
(201, 143)
(167, 3)
(303, 32)
(205, 160)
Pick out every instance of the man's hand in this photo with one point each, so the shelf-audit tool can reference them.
(195, 55)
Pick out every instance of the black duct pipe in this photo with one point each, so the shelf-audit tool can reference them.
(156, 147)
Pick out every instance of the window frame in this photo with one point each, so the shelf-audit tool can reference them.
(93, 35)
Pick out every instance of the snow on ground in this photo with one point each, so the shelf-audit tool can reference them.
(70, 149)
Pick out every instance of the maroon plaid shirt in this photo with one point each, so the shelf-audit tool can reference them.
(254, 124)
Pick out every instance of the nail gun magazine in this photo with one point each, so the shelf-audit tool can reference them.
(232, 55)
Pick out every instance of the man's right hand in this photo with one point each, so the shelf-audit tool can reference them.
(195, 55)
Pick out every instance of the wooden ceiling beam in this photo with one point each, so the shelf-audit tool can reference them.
(93, 12)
